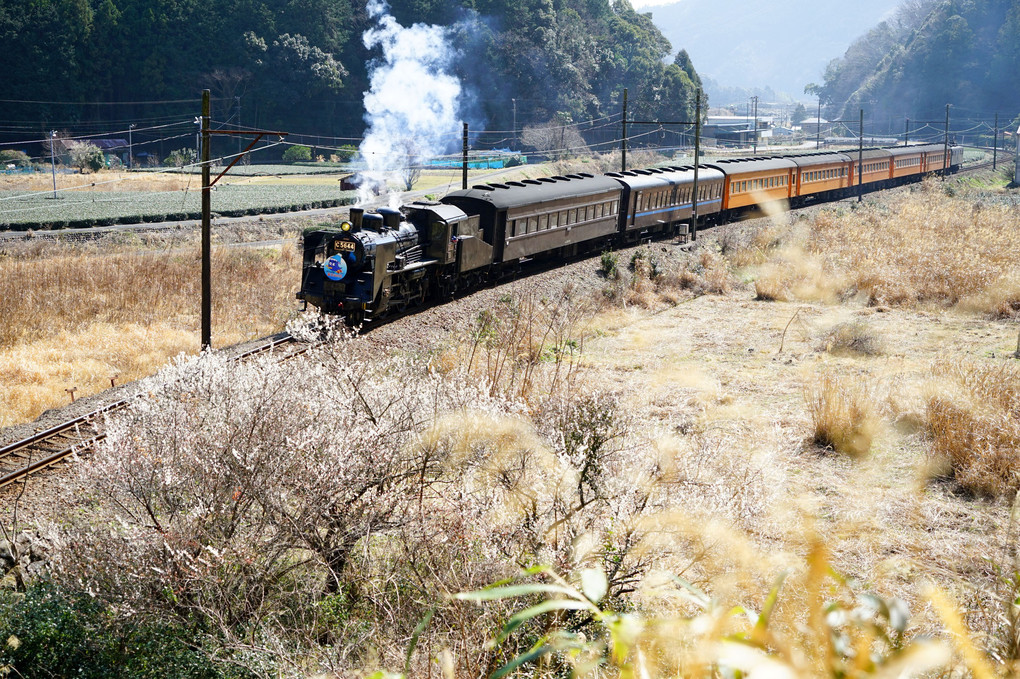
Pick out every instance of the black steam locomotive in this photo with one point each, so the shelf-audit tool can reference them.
(394, 259)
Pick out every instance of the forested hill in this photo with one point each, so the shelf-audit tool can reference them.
(932, 53)
(300, 65)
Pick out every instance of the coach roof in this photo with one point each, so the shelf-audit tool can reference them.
(530, 191)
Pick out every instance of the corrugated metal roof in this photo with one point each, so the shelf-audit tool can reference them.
(907, 150)
(667, 176)
(813, 159)
(871, 154)
(742, 165)
(529, 191)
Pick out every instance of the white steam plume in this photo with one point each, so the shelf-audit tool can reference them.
(412, 106)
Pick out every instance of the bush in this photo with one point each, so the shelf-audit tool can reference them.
(346, 152)
(853, 337)
(297, 154)
(87, 157)
(48, 632)
(181, 157)
(608, 267)
(15, 158)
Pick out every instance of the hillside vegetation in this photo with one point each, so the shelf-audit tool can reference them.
(301, 65)
(932, 52)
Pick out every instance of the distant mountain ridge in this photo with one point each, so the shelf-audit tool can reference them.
(783, 44)
(960, 52)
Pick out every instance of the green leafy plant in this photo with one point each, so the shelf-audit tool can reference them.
(608, 266)
(87, 157)
(297, 154)
(180, 157)
(836, 631)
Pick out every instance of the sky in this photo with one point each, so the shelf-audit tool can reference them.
(783, 44)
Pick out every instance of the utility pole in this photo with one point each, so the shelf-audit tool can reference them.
(818, 126)
(237, 103)
(131, 147)
(906, 135)
(754, 130)
(53, 161)
(1016, 171)
(995, 144)
(206, 229)
(860, 160)
(945, 149)
(514, 100)
(205, 135)
(464, 162)
(623, 144)
(697, 159)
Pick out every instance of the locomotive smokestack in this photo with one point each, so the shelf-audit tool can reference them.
(356, 215)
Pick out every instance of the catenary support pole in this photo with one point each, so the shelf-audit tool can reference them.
(818, 126)
(1016, 171)
(464, 161)
(945, 148)
(53, 161)
(995, 145)
(860, 159)
(754, 130)
(623, 142)
(206, 229)
(906, 135)
(697, 160)
(514, 100)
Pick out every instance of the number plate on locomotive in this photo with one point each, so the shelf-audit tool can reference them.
(344, 245)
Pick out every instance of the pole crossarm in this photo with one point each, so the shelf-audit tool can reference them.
(242, 133)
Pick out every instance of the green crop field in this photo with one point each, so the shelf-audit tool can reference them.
(20, 210)
(242, 170)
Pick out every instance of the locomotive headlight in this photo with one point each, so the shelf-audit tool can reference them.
(345, 227)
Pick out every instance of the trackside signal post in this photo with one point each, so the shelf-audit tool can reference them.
(207, 208)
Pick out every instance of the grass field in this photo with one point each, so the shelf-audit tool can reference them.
(86, 206)
(79, 316)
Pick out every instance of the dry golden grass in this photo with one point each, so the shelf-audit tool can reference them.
(75, 318)
(101, 181)
(925, 248)
(852, 337)
(842, 414)
(974, 417)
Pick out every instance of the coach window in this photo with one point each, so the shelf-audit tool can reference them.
(554, 220)
(572, 217)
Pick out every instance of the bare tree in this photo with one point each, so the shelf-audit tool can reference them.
(411, 169)
(556, 138)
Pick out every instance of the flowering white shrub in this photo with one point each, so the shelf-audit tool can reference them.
(303, 512)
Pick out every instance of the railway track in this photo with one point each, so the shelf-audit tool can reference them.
(75, 437)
